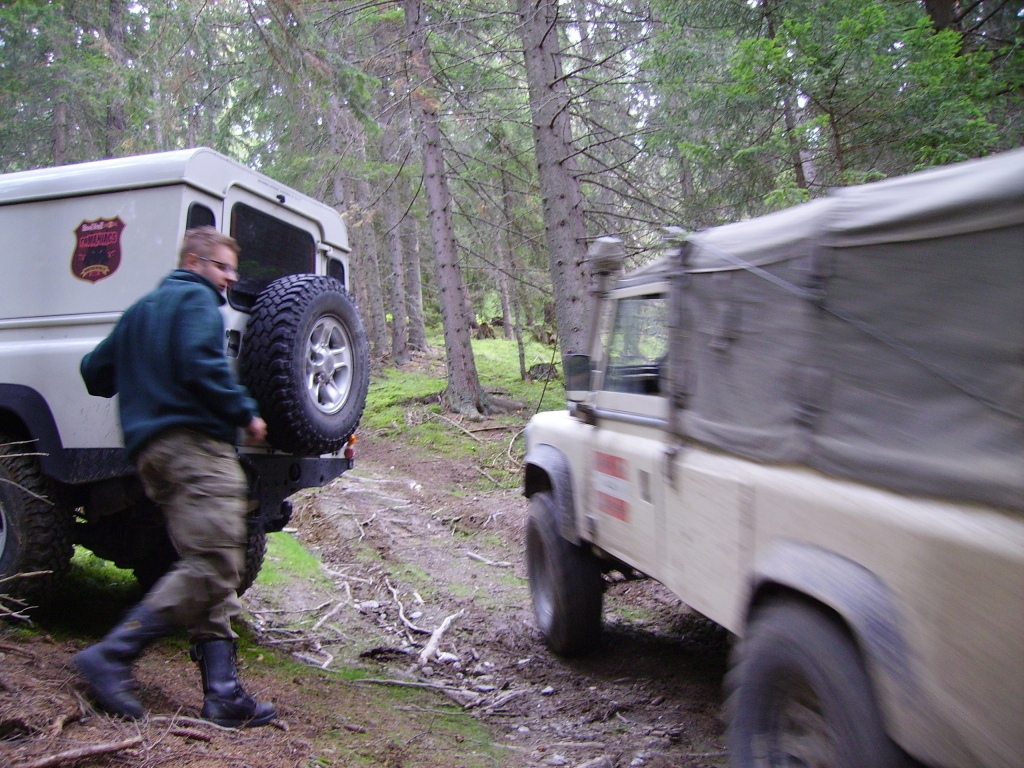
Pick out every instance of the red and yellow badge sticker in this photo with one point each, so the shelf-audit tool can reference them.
(97, 253)
(611, 484)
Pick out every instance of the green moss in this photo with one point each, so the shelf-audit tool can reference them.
(287, 559)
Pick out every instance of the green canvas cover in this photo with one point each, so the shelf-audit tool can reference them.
(876, 334)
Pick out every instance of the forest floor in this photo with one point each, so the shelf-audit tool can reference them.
(405, 542)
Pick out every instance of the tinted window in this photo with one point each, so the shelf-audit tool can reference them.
(271, 249)
(336, 270)
(200, 216)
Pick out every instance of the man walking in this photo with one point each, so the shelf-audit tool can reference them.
(181, 409)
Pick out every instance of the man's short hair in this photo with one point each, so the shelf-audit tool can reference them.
(202, 240)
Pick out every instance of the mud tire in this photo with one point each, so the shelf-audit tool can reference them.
(255, 551)
(35, 533)
(565, 583)
(163, 556)
(799, 695)
(305, 359)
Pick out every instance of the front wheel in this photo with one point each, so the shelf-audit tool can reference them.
(799, 696)
(565, 582)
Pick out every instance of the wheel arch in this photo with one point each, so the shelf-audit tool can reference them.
(548, 469)
(24, 413)
(860, 602)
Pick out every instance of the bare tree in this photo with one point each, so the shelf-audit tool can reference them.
(464, 393)
(413, 281)
(564, 225)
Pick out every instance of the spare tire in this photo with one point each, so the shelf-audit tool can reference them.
(306, 360)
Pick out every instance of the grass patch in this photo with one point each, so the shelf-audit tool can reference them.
(90, 600)
(287, 559)
(403, 403)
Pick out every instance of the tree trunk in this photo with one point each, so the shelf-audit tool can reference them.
(464, 393)
(413, 282)
(360, 277)
(362, 222)
(115, 106)
(399, 332)
(564, 227)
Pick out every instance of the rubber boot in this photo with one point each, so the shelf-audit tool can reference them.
(225, 702)
(106, 666)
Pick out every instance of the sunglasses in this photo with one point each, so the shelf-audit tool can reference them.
(227, 269)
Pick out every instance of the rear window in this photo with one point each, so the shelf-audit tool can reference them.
(271, 248)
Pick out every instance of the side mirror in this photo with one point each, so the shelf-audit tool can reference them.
(577, 377)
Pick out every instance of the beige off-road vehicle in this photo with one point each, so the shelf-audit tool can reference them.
(80, 244)
(810, 427)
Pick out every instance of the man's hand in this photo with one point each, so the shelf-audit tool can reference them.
(256, 430)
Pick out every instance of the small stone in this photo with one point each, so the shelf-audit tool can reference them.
(547, 691)
(416, 614)
(427, 671)
(523, 729)
(557, 760)
(485, 688)
(657, 700)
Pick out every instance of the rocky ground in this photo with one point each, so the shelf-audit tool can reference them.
(414, 646)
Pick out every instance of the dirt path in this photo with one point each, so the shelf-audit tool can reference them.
(406, 543)
(401, 531)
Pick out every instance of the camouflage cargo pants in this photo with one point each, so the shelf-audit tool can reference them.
(201, 488)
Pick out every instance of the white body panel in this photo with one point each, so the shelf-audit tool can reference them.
(50, 318)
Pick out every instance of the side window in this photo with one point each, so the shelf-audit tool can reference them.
(637, 348)
(271, 248)
(336, 269)
(200, 216)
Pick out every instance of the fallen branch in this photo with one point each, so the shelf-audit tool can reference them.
(435, 637)
(511, 443)
(505, 699)
(190, 733)
(190, 721)
(454, 424)
(401, 611)
(328, 615)
(72, 756)
(23, 489)
(485, 561)
(487, 476)
(316, 609)
(403, 684)
(370, 519)
(343, 575)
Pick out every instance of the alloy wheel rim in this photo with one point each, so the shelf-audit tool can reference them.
(328, 365)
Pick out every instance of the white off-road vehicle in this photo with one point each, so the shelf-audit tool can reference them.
(80, 244)
(810, 427)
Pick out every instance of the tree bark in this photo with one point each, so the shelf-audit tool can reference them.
(362, 222)
(464, 393)
(399, 329)
(115, 106)
(564, 227)
(413, 282)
